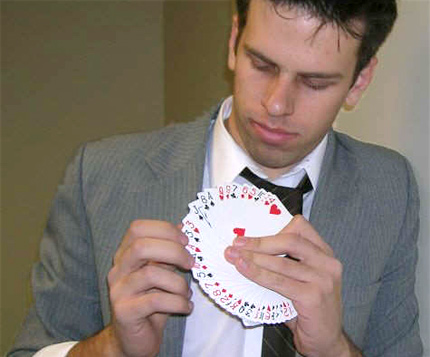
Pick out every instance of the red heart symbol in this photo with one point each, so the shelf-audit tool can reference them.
(196, 230)
(275, 210)
(198, 250)
(239, 231)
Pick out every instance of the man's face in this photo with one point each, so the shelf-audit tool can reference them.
(290, 83)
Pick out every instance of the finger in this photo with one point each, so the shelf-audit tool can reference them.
(142, 306)
(282, 284)
(151, 228)
(288, 267)
(309, 255)
(300, 282)
(147, 279)
(303, 228)
(280, 244)
(142, 251)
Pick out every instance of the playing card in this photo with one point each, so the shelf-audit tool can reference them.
(215, 219)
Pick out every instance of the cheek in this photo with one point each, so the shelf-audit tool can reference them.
(324, 106)
(318, 114)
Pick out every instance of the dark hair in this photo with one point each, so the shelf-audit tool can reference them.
(377, 16)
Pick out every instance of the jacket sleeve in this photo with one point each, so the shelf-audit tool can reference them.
(393, 328)
(64, 281)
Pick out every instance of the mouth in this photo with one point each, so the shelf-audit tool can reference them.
(272, 136)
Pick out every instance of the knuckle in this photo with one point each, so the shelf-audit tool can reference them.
(329, 250)
(279, 280)
(298, 219)
(337, 269)
(254, 243)
(138, 248)
(315, 297)
(113, 296)
(119, 310)
(328, 288)
(153, 302)
(111, 277)
(137, 227)
(148, 275)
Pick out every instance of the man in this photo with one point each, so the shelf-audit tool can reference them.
(352, 280)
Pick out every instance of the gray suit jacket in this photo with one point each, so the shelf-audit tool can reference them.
(366, 208)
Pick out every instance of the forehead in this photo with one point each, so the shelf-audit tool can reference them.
(289, 33)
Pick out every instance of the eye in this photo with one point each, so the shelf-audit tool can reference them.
(316, 84)
(262, 66)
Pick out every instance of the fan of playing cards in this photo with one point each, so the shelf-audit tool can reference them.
(217, 217)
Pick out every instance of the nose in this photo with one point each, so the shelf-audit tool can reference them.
(280, 97)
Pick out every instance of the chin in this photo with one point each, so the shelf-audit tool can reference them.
(273, 161)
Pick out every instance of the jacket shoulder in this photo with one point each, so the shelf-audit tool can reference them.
(145, 155)
(370, 157)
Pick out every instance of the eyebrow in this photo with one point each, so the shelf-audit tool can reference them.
(317, 75)
(259, 55)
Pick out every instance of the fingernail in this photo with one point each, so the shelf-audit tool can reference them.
(239, 241)
(190, 293)
(191, 261)
(190, 305)
(183, 239)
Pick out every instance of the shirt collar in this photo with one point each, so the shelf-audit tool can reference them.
(228, 159)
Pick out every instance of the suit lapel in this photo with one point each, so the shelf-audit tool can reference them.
(177, 185)
(334, 210)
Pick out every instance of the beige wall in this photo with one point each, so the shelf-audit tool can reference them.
(75, 71)
(71, 72)
(196, 34)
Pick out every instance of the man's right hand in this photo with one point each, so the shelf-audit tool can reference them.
(144, 290)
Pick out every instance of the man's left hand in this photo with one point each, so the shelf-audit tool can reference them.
(311, 279)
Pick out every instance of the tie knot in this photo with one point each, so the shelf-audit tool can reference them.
(292, 198)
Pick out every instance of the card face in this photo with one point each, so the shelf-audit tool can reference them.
(214, 220)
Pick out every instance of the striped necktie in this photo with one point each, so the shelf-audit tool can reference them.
(277, 338)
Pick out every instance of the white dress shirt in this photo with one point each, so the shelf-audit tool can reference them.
(210, 331)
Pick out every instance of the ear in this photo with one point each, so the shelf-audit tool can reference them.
(361, 83)
(232, 43)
